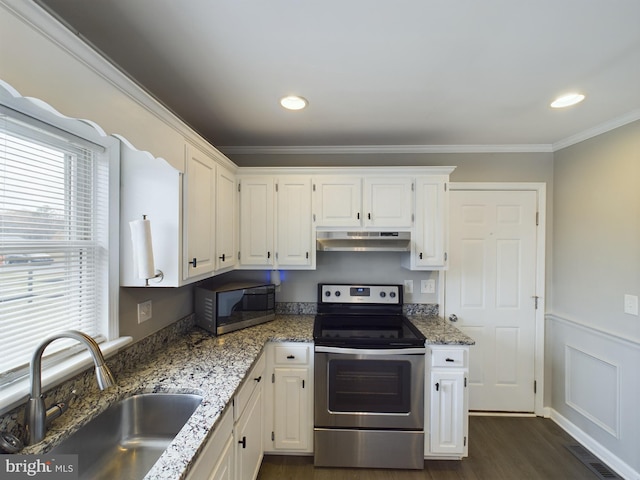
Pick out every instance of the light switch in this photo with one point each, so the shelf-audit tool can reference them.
(631, 304)
(408, 286)
(428, 286)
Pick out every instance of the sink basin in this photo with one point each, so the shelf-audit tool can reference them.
(128, 438)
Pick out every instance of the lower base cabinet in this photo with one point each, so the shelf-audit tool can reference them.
(446, 402)
(289, 398)
(216, 461)
(248, 438)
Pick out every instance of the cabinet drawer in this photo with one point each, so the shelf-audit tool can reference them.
(453, 357)
(291, 354)
(250, 382)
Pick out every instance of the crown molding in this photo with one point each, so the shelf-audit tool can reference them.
(617, 122)
(383, 149)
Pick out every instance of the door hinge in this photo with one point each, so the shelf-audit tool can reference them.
(413, 186)
(314, 218)
(465, 442)
(273, 436)
(413, 218)
(314, 187)
(273, 378)
(445, 187)
(445, 256)
(238, 256)
(276, 188)
(238, 186)
(537, 218)
(535, 387)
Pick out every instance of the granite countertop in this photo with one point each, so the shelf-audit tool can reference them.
(213, 367)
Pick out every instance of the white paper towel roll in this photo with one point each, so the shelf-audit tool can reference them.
(142, 248)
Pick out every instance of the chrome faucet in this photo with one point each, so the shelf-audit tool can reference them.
(36, 414)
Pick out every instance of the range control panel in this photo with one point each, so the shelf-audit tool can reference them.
(385, 294)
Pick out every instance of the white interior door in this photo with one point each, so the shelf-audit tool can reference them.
(491, 288)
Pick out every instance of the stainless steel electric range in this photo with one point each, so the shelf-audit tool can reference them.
(369, 379)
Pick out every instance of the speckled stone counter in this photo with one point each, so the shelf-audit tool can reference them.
(213, 367)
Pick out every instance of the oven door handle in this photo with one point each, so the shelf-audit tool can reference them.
(372, 351)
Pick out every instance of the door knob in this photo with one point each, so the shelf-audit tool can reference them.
(453, 317)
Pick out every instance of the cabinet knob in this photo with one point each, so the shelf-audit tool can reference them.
(358, 216)
(420, 255)
(368, 216)
(243, 442)
(194, 262)
(449, 359)
(291, 357)
(268, 254)
(222, 257)
(258, 379)
(437, 387)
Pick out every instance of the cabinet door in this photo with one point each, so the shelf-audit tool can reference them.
(338, 201)
(256, 221)
(294, 234)
(224, 468)
(248, 437)
(291, 400)
(431, 222)
(447, 412)
(388, 202)
(199, 214)
(226, 215)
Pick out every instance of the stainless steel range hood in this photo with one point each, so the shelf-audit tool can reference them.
(362, 241)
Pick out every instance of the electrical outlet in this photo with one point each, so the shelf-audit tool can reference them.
(631, 304)
(144, 311)
(408, 286)
(428, 286)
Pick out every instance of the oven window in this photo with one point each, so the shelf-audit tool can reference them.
(369, 386)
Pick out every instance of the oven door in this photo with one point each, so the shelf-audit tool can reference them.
(369, 388)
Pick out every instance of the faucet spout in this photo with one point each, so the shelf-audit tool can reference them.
(35, 413)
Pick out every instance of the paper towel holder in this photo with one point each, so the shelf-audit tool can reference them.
(158, 273)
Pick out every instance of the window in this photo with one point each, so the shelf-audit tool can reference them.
(54, 240)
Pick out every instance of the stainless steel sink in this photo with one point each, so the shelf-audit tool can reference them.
(128, 438)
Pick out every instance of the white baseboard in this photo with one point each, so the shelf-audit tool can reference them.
(614, 462)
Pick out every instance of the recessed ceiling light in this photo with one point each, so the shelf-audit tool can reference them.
(293, 102)
(567, 100)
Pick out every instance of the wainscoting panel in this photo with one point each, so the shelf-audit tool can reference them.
(592, 388)
(595, 391)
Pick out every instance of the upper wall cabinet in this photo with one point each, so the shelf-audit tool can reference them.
(370, 202)
(275, 222)
(190, 213)
(199, 214)
(429, 245)
(226, 220)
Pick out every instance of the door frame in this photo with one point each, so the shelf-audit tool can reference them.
(541, 193)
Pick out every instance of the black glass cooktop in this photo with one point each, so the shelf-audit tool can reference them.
(366, 331)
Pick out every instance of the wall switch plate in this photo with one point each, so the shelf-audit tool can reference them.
(144, 311)
(408, 286)
(631, 304)
(428, 286)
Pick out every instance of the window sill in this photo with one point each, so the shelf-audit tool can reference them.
(17, 393)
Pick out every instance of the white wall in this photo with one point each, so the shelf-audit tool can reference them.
(593, 347)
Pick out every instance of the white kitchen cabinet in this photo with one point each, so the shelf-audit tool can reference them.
(256, 222)
(181, 207)
(371, 202)
(429, 245)
(275, 222)
(249, 421)
(199, 214)
(216, 461)
(337, 201)
(248, 437)
(226, 219)
(447, 402)
(295, 240)
(289, 398)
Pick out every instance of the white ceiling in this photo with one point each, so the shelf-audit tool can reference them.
(398, 74)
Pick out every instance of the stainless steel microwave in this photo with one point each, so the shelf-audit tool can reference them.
(234, 306)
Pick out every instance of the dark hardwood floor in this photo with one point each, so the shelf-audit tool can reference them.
(500, 448)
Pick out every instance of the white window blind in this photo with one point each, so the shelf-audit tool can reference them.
(53, 240)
